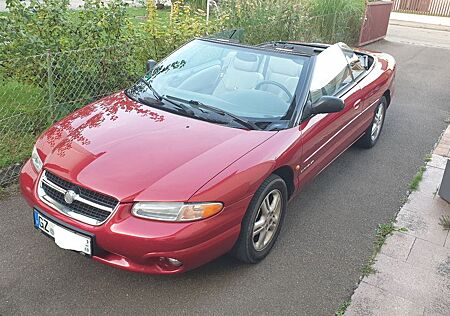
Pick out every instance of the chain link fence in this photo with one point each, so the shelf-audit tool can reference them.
(36, 91)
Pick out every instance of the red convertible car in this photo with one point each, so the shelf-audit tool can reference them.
(201, 156)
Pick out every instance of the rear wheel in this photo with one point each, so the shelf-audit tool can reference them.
(373, 132)
(262, 222)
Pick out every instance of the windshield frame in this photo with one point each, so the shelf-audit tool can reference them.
(299, 95)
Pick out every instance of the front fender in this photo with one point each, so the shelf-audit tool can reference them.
(242, 178)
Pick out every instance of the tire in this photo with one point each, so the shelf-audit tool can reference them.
(251, 248)
(368, 140)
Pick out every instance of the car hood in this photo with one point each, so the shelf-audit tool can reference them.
(137, 153)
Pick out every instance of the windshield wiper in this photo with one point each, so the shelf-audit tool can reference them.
(160, 98)
(199, 105)
(149, 86)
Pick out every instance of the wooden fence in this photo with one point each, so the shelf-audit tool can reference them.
(429, 7)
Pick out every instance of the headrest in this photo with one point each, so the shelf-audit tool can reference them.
(285, 67)
(245, 62)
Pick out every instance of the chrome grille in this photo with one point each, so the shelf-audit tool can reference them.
(85, 193)
(88, 206)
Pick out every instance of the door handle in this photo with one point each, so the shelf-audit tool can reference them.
(356, 104)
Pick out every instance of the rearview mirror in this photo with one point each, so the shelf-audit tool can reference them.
(150, 65)
(327, 104)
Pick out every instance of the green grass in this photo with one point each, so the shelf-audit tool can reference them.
(414, 184)
(19, 97)
(197, 4)
(367, 268)
(382, 232)
(15, 148)
(138, 15)
(444, 221)
(345, 26)
(322, 7)
(9, 190)
(22, 120)
(342, 308)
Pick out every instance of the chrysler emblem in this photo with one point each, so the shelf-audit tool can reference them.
(70, 196)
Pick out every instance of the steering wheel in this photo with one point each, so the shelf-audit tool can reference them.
(277, 84)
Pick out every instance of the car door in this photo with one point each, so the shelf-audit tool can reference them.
(368, 92)
(327, 135)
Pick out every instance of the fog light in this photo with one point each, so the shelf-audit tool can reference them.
(174, 262)
(169, 264)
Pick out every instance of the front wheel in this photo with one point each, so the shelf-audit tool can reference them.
(373, 132)
(262, 222)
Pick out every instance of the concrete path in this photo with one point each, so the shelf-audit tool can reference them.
(413, 267)
(421, 19)
(419, 36)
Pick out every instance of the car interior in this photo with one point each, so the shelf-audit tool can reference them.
(265, 82)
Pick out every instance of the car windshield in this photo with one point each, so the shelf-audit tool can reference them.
(249, 83)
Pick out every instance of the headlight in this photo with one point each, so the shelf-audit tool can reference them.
(176, 211)
(36, 160)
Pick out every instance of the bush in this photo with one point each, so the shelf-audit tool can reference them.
(262, 20)
(336, 20)
(49, 31)
(302, 20)
(197, 4)
(185, 23)
(41, 25)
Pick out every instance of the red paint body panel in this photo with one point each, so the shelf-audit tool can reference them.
(136, 153)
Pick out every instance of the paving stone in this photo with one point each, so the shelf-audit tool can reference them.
(431, 180)
(419, 201)
(431, 313)
(447, 242)
(440, 150)
(370, 300)
(424, 287)
(445, 139)
(444, 143)
(421, 215)
(422, 226)
(438, 161)
(398, 246)
(446, 133)
(430, 256)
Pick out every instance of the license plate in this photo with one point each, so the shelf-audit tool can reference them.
(64, 238)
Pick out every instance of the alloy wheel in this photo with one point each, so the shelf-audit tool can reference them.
(377, 122)
(267, 220)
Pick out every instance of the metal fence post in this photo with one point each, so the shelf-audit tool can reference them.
(333, 35)
(50, 79)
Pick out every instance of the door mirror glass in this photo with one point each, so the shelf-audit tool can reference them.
(150, 65)
(327, 104)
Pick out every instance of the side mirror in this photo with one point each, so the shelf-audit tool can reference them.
(327, 104)
(150, 65)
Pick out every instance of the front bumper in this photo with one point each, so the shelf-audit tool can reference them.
(135, 244)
